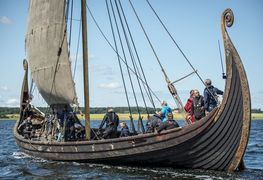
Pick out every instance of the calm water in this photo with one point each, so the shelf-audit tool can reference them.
(16, 165)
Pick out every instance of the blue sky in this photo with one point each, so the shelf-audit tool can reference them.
(195, 25)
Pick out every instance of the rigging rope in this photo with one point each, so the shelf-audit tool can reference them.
(122, 76)
(64, 15)
(125, 59)
(179, 48)
(133, 63)
(66, 5)
(223, 72)
(173, 39)
(106, 39)
(184, 77)
(70, 29)
(148, 39)
(169, 84)
(148, 92)
(58, 56)
(77, 52)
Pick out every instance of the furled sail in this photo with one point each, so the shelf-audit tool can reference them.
(47, 51)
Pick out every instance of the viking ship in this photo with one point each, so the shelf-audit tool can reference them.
(216, 142)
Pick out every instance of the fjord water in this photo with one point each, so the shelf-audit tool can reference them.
(16, 165)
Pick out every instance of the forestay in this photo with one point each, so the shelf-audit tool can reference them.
(46, 37)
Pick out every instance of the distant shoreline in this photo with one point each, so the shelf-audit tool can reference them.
(254, 116)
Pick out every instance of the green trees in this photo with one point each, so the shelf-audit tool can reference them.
(94, 110)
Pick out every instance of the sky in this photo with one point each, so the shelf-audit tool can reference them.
(195, 26)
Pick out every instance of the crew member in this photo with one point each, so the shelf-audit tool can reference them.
(112, 120)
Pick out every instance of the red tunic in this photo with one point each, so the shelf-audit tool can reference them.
(187, 108)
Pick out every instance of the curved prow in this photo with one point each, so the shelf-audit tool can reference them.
(24, 98)
(232, 57)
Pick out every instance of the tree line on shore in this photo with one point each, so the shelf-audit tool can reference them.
(4, 111)
(94, 110)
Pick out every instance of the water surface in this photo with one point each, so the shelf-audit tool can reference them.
(16, 165)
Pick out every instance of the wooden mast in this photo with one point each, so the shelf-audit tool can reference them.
(85, 68)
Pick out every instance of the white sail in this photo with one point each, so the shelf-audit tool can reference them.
(46, 34)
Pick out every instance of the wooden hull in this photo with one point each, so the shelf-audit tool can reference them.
(210, 143)
(216, 142)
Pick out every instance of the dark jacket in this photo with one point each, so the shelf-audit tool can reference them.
(210, 101)
(153, 122)
(169, 124)
(197, 108)
(111, 119)
(125, 132)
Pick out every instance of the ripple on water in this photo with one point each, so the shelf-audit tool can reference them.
(20, 155)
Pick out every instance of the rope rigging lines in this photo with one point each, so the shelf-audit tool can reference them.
(77, 52)
(59, 52)
(141, 68)
(222, 66)
(171, 87)
(135, 67)
(181, 51)
(65, 19)
(70, 28)
(109, 43)
(135, 70)
(130, 45)
(121, 70)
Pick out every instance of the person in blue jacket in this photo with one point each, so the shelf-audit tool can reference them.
(165, 110)
(210, 95)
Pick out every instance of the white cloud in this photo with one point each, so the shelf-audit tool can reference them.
(5, 20)
(112, 85)
(12, 102)
(103, 70)
(4, 88)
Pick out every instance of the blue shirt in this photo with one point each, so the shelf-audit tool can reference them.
(165, 110)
